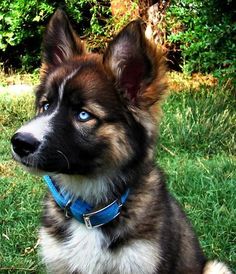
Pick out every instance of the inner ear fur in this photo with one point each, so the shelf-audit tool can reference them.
(136, 65)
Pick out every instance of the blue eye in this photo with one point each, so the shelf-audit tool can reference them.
(45, 106)
(83, 116)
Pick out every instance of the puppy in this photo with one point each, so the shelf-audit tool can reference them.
(108, 209)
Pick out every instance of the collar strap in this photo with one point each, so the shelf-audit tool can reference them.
(81, 210)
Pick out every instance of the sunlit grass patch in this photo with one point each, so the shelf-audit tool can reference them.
(200, 121)
(19, 78)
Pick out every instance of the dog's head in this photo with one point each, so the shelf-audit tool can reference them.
(95, 114)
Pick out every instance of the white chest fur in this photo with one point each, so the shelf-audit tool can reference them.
(85, 251)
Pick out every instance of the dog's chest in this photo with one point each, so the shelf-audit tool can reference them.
(85, 251)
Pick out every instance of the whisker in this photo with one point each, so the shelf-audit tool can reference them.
(68, 164)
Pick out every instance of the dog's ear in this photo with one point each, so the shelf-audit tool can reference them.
(135, 65)
(60, 41)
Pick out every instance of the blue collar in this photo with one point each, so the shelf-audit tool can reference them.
(82, 211)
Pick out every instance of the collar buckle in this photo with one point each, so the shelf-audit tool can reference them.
(87, 216)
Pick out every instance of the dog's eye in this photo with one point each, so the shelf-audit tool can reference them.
(83, 116)
(45, 106)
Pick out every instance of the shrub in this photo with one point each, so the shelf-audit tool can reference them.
(22, 24)
(202, 30)
(206, 35)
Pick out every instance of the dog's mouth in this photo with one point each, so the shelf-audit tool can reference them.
(31, 165)
(37, 165)
(28, 163)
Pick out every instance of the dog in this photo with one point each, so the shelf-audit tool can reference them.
(108, 209)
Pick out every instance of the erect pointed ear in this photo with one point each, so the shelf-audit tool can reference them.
(60, 41)
(135, 65)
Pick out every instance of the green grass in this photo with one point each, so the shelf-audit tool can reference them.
(20, 194)
(197, 151)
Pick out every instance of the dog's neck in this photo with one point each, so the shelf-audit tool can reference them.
(95, 191)
(101, 190)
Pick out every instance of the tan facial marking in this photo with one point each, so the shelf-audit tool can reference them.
(83, 127)
(95, 109)
(120, 149)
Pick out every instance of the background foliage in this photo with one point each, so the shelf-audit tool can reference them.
(201, 33)
(205, 33)
(22, 23)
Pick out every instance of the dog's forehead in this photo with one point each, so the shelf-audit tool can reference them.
(86, 80)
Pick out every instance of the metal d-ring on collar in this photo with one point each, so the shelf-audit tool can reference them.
(82, 211)
(67, 209)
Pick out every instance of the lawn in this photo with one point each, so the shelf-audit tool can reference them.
(196, 149)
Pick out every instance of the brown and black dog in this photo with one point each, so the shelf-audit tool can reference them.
(94, 135)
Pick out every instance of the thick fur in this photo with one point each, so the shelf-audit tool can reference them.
(99, 157)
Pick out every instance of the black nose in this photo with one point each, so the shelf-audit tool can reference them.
(24, 144)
